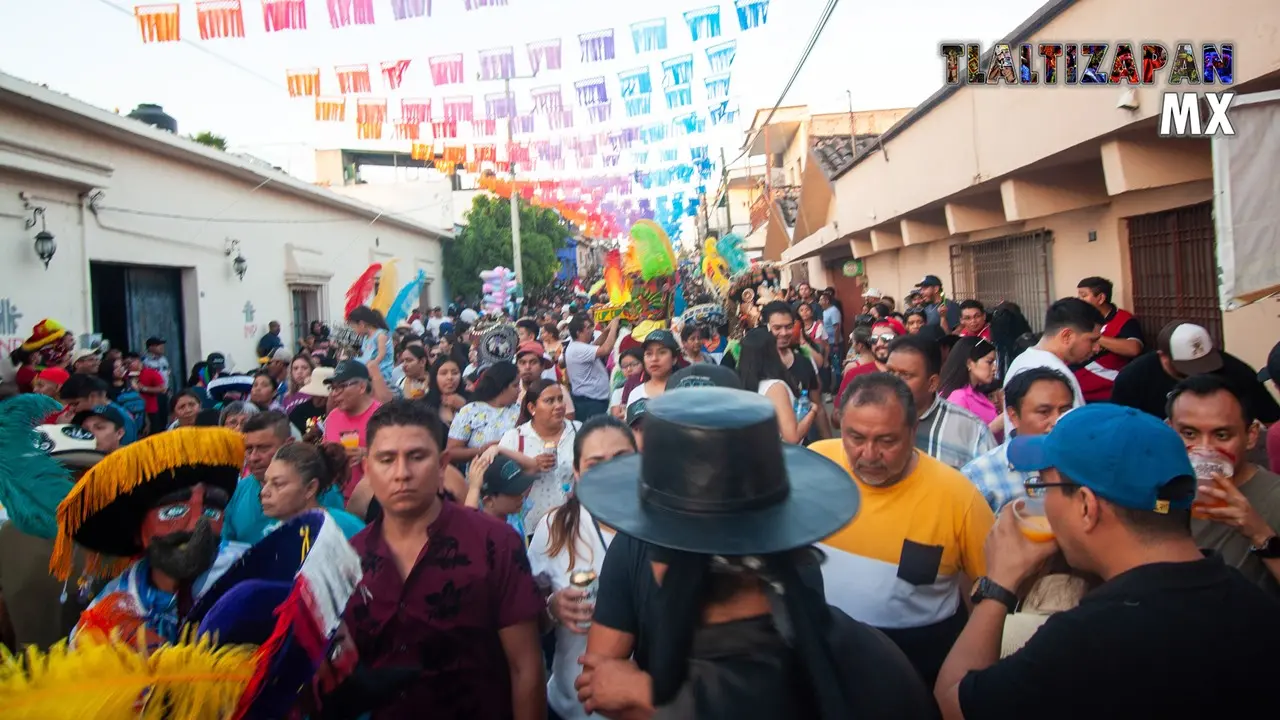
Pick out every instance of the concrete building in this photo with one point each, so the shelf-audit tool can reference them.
(1018, 193)
(792, 149)
(148, 227)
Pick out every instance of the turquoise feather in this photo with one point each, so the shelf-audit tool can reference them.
(730, 248)
(32, 483)
(405, 300)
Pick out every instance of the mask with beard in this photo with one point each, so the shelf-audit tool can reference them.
(184, 556)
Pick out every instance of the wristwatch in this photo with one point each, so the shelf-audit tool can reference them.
(988, 589)
(1269, 549)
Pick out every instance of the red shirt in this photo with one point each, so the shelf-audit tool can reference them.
(984, 333)
(472, 580)
(150, 378)
(852, 373)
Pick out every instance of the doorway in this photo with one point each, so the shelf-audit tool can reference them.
(1173, 261)
(132, 303)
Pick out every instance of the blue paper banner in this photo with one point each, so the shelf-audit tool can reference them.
(721, 56)
(718, 87)
(752, 13)
(649, 35)
(677, 71)
(704, 23)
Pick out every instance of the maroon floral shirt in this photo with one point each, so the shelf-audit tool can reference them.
(472, 580)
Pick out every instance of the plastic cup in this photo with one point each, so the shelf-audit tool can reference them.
(1207, 462)
(1029, 512)
(350, 441)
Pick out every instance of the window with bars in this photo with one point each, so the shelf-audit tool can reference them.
(1014, 268)
(1173, 260)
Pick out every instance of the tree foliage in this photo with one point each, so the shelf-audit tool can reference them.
(485, 243)
(209, 139)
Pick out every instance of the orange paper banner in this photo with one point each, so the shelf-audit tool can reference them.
(220, 19)
(331, 109)
(353, 79)
(422, 151)
(369, 131)
(445, 166)
(393, 72)
(158, 23)
(303, 82)
(371, 110)
(408, 131)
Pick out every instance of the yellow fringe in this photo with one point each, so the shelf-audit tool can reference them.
(106, 679)
(134, 465)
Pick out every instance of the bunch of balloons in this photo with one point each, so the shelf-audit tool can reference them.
(499, 288)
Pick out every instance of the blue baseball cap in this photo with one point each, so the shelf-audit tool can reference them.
(1123, 455)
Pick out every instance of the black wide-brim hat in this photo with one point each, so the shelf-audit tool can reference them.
(715, 478)
(105, 509)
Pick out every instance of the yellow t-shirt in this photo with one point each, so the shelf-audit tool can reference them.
(898, 564)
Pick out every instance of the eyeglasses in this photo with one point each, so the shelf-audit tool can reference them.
(1040, 489)
(885, 338)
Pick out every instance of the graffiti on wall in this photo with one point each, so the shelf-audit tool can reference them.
(250, 327)
(11, 330)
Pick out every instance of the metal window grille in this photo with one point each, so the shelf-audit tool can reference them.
(1013, 268)
(1172, 256)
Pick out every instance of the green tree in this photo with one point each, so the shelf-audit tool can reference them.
(210, 140)
(484, 243)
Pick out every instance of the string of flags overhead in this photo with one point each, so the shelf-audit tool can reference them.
(461, 130)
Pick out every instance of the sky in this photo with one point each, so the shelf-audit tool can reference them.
(883, 54)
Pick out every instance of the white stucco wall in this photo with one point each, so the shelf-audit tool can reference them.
(279, 233)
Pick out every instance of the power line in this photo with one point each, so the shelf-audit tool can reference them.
(215, 55)
(804, 57)
(259, 221)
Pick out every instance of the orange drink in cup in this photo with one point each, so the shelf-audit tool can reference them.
(1029, 512)
(1207, 462)
(350, 440)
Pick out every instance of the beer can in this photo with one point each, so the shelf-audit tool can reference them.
(585, 580)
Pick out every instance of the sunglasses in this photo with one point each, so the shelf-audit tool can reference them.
(1036, 489)
(885, 338)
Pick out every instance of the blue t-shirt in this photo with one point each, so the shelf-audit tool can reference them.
(244, 520)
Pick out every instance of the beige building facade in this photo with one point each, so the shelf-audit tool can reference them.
(1017, 193)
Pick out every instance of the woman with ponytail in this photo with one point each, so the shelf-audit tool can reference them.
(298, 475)
(569, 540)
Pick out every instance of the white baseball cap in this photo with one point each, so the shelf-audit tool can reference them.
(872, 292)
(1190, 348)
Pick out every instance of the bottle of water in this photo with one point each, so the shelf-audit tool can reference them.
(802, 406)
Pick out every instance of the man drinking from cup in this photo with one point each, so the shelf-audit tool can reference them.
(1237, 505)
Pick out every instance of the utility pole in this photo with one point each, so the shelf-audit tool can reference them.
(516, 260)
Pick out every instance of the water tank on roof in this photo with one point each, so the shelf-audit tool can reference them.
(156, 116)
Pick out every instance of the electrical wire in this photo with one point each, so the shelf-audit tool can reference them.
(804, 57)
(259, 221)
(217, 56)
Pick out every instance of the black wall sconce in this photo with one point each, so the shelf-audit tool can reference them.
(45, 246)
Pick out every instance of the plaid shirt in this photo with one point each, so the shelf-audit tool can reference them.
(952, 434)
(998, 482)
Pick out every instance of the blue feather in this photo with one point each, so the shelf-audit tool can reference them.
(32, 483)
(406, 299)
(730, 248)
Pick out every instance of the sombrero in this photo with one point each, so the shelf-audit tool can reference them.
(705, 315)
(716, 479)
(644, 327)
(218, 388)
(104, 510)
(498, 344)
(286, 594)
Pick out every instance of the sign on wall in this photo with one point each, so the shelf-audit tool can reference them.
(11, 329)
(852, 268)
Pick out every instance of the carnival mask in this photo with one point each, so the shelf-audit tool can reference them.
(182, 531)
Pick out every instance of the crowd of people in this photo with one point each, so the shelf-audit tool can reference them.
(781, 508)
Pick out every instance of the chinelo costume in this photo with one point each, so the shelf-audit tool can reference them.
(50, 346)
(252, 644)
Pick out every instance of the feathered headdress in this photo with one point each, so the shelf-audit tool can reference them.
(614, 282)
(405, 299)
(730, 249)
(103, 511)
(387, 286)
(653, 249)
(361, 289)
(31, 482)
(107, 679)
(714, 267)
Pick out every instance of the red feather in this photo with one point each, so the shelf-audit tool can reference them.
(362, 289)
